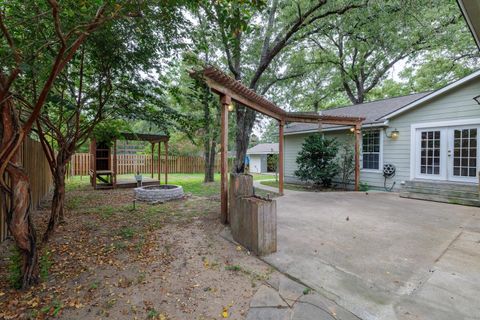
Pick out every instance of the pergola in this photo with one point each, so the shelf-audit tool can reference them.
(230, 90)
(109, 173)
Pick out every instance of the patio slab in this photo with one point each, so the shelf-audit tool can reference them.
(380, 256)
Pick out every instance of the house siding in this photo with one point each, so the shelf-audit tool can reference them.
(458, 104)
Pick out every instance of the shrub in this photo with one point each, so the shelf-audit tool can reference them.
(347, 163)
(316, 161)
(364, 186)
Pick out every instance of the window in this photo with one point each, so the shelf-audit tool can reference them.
(371, 146)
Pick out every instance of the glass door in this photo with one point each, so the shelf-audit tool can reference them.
(431, 154)
(462, 154)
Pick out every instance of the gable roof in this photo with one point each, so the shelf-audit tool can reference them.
(373, 112)
(433, 95)
(264, 148)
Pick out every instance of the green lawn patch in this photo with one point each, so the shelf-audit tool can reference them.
(191, 182)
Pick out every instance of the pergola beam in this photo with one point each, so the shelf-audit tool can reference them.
(223, 91)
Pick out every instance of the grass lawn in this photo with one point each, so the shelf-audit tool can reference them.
(191, 182)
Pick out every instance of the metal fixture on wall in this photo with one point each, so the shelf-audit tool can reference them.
(393, 134)
(477, 99)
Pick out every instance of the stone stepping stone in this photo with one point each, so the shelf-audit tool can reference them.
(290, 290)
(269, 314)
(267, 297)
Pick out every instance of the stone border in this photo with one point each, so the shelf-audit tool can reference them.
(157, 194)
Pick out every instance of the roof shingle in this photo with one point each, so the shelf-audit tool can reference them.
(371, 111)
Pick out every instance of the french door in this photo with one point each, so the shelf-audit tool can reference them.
(462, 154)
(447, 153)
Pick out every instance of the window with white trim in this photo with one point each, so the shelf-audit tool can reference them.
(371, 148)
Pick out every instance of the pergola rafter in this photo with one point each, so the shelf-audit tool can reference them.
(230, 90)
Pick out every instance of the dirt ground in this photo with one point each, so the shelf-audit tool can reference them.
(109, 260)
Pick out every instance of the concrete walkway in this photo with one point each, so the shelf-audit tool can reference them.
(284, 299)
(380, 256)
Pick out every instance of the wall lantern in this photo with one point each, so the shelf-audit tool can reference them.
(231, 107)
(393, 135)
(352, 130)
(477, 99)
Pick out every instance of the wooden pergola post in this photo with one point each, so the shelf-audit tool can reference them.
(225, 101)
(159, 160)
(166, 162)
(114, 163)
(281, 124)
(93, 163)
(357, 156)
(152, 160)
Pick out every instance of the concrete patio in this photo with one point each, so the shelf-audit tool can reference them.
(380, 256)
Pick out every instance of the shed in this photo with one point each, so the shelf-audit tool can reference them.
(259, 155)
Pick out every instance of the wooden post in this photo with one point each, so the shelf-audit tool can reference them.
(94, 163)
(159, 159)
(152, 160)
(225, 101)
(357, 156)
(114, 163)
(166, 162)
(280, 156)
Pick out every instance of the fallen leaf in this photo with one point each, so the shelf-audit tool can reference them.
(225, 313)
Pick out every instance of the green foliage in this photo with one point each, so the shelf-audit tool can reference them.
(357, 56)
(15, 268)
(127, 232)
(107, 131)
(45, 264)
(235, 268)
(364, 186)
(346, 163)
(272, 162)
(270, 132)
(316, 161)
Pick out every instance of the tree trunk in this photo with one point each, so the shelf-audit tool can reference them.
(210, 162)
(20, 224)
(58, 201)
(207, 177)
(19, 210)
(245, 122)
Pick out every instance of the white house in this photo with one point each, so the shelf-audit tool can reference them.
(258, 157)
(430, 138)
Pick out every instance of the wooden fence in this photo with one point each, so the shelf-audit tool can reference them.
(36, 166)
(132, 163)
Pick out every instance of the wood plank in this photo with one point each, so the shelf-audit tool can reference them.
(166, 162)
(224, 102)
(280, 156)
(357, 156)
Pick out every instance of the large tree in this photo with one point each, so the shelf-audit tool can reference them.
(253, 41)
(39, 39)
(350, 58)
(99, 81)
(28, 28)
